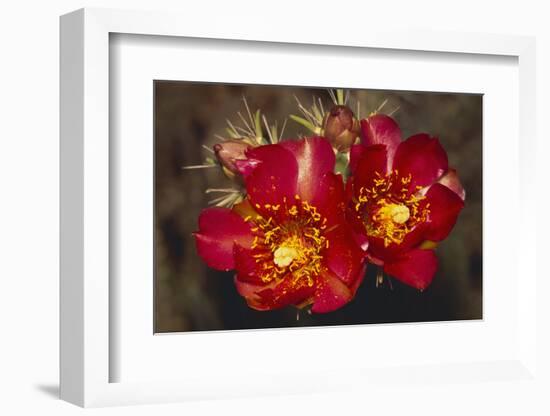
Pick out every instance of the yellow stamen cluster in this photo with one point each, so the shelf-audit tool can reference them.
(286, 254)
(289, 240)
(388, 209)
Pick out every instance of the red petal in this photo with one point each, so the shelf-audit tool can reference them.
(451, 181)
(330, 198)
(331, 293)
(361, 240)
(358, 226)
(445, 205)
(248, 270)
(359, 280)
(355, 154)
(393, 251)
(371, 166)
(423, 158)
(273, 178)
(315, 157)
(249, 292)
(219, 230)
(416, 268)
(381, 129)
(343, 256)
(286, 292)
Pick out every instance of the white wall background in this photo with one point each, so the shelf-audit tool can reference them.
(29, 196)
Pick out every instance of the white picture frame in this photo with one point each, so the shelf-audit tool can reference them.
(85, 212)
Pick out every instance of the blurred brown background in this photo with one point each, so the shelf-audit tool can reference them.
(189, 296)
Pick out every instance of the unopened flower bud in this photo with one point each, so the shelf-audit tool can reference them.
(228, 152)
(341, 127)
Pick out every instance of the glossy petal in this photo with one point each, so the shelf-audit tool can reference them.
(423, 158)
(274, 176)
(381, 129)
(445, 205)
(249, 292)
(451, 181)
(355, 154)
(394, 251)
(285, 292)
(248, 270)
(371, 166)
(219, 230)
(416, 268)
(343, 256)
(330, 294)
(361, 275)
(330, 199)
(361, 240)
(315, 157)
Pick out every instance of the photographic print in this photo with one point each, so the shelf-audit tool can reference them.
(280, 206)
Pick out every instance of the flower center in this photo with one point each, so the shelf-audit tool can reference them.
(289, 241)
(398, 213)
(284, 255)
(389, 209)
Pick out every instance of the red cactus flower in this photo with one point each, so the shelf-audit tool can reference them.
(288, 241)
(403, 198)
